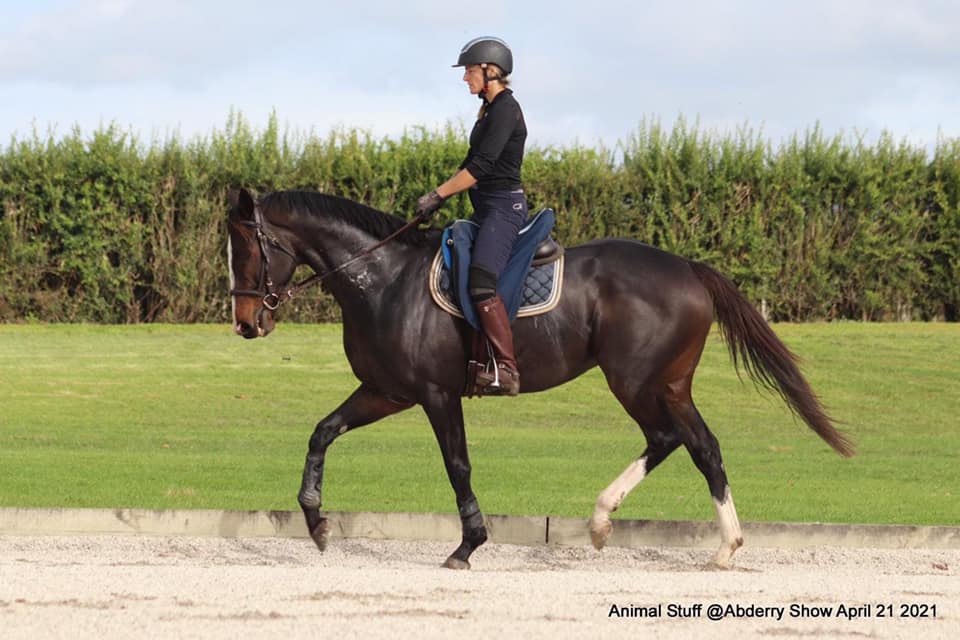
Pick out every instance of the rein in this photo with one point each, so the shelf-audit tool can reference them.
(271, 299)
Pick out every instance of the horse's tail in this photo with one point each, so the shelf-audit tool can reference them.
(767, 360)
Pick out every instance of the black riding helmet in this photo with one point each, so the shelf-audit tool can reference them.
(487, 50)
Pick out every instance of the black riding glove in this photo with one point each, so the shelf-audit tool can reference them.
(428, 204)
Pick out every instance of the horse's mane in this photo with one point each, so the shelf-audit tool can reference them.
(376, 223)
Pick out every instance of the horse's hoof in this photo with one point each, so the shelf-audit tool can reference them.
(723, 559)
(321, 535)
(600, 532)
(456, 563)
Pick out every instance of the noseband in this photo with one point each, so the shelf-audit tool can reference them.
(265, 288)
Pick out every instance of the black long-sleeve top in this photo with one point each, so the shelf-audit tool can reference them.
(496, 145)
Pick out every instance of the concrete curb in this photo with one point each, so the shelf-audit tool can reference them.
(522, 530)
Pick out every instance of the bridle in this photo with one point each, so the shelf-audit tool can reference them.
(272, 299)
(265, 287)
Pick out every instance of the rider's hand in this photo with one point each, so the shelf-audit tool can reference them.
(428, 204)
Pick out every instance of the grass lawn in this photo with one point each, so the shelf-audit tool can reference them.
(188, 416)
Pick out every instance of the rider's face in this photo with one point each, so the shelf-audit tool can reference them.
(473, 76)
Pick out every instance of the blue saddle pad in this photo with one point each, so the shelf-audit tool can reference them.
(524, 291)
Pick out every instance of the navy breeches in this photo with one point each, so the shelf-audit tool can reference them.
(501, 215)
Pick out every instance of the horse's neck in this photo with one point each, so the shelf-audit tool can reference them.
(360, 282)
(341, 242)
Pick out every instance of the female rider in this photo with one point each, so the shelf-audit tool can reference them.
(491, 171)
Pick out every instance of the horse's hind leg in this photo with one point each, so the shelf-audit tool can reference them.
(705, 452)
(662, 439)
(668, 420)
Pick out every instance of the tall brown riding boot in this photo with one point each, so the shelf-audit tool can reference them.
(504, 379)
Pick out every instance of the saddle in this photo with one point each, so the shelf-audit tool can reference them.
(530, 284)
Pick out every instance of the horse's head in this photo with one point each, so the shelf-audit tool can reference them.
(261, 264)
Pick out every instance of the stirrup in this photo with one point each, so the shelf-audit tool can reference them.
(493, 380)
(484, 376)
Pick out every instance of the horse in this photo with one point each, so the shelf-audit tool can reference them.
(639, 313)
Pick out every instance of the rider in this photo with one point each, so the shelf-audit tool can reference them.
(491, 171)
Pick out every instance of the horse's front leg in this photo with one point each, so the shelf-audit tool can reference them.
(445, 412)
(364, 406)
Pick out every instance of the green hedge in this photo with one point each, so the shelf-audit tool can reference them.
(107, 228)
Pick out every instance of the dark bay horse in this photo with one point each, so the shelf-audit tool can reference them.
(642, 315)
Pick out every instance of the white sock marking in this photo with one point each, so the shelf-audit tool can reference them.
(610, 499)
(731, 537)
(613, 495)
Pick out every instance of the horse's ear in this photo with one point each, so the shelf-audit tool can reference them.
(241, 204)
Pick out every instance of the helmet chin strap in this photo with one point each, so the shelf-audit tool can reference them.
(486, 80)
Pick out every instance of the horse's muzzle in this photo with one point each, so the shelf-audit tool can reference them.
(247, 330)
(259, 328)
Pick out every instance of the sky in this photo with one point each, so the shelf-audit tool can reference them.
(586, 73)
